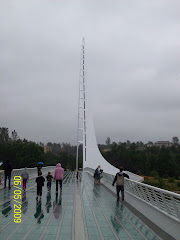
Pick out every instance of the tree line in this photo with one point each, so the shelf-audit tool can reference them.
(24, 153)
(151, 161)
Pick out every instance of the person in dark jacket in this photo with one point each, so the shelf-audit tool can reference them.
(7, 171)
(97, 175)
(119, 179)
(40, 183)
(49, 178)
(38, 168)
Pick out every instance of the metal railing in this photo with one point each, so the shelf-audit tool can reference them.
(31, 171)
(164, 201)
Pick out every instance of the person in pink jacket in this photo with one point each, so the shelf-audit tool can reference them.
(58, 176)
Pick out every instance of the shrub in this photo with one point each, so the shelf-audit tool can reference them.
(161, 183)
(154, 173)
(170, 179)
(178, 183)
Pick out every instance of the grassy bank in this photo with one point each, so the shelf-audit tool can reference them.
(169, 184)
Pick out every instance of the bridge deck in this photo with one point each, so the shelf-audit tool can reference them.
(82, 211)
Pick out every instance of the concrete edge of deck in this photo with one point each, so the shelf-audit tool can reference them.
(164, 226)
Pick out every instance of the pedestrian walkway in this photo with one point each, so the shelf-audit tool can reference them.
(82, 211)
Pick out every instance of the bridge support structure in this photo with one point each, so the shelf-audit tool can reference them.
(85, 131)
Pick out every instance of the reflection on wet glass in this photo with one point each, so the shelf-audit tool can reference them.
(57, 206)
(116, 223)
(95, 191)
(39, 213)
(6, 207)
(48, 202)
(24, 205)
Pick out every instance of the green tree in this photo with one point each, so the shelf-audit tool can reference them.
(175, 140)
(49, 144)
(15, 137)
(128, 143)
(108, 141)
(4, 135)
(163, 162)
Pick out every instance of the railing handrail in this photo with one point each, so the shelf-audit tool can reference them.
(155, 188)
(16, 169)
(20, 170)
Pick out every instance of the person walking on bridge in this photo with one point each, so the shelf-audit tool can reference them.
(49, 178)
(119, 179)
(7, 171)
(58, 176)
(25, 177)
(97, 175)
(40, 183)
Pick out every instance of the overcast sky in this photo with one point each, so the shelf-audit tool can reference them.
(133, 68)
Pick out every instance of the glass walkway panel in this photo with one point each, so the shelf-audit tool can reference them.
(55, 217)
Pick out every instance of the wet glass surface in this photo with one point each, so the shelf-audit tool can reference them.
(53, 216)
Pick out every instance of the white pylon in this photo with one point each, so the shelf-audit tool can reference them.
(91, 154)
(81, 128)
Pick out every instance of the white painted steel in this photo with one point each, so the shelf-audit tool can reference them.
(163, 200)
(81, 136)
(91, 154)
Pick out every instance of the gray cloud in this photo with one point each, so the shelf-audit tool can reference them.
(132, 53)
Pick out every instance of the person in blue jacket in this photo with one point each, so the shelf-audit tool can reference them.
(97, 175)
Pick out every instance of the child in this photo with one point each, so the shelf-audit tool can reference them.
(40, 183)
(49, 180)
(25, 177)
(101, 172)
